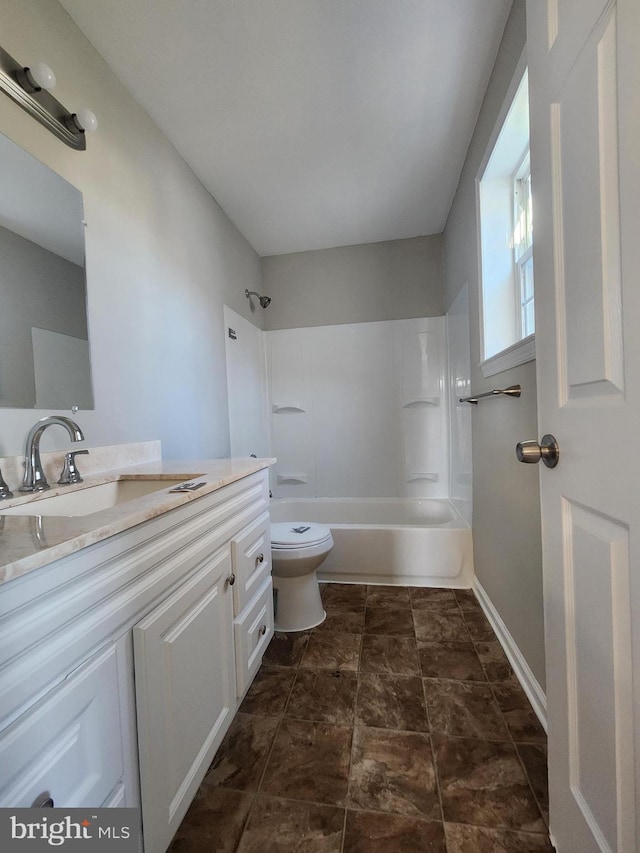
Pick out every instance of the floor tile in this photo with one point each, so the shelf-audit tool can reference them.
(324, 696)
(534, 758)
(483, 783)
(213, 823)
(475, 839)
(382, 620)
(356, 608)
(342, 622)
(391, 702)
(495, 662)
(243, 753)
(426, 598)
(520, 716)
(372, 832)
(464, 709)
(393, 655)
(286, 770)
(433, 626)
(286, 649)
(450, 660)
(332, 651)
(393, 772)
(340, 596)
(309, 761)
(478, 626)
(268, 694)
(467, 600)
(284, 826)
(392, 597)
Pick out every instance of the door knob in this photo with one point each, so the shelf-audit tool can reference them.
(531, 452)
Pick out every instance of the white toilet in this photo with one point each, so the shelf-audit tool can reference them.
(297, 549)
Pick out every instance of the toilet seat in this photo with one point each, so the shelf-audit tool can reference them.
(284, 536)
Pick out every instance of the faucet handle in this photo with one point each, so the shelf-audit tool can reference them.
(70, 473)
(5, 492)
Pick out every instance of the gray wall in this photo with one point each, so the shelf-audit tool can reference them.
(37, 288)
(394, 280)
(506, 499)
(162, 257)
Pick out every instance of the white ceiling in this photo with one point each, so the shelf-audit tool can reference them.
(314, 123)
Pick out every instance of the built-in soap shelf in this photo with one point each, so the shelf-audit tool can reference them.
(284, 410)
(415, 478)
(292, 479)
(421, 401)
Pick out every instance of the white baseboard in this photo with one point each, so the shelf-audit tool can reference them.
(523, 672)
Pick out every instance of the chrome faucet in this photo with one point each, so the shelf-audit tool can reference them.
(34, 478)
(5, 491)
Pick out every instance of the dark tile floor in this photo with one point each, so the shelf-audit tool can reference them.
(397, 726)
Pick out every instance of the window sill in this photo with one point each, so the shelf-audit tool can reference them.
(518, 353)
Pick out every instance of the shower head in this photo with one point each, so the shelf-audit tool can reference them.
(265, 301)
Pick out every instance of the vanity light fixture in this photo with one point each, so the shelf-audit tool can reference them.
(28, 86)
(36, 77)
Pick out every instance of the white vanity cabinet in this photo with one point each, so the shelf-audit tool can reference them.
(196, 654)
(122, 665)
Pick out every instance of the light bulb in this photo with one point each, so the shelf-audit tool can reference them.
(42, 75)
(86, 120)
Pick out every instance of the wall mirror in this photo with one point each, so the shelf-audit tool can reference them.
(44, 339)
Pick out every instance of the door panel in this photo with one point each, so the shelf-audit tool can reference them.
(587, 247)
(568, 25)
(598, 670)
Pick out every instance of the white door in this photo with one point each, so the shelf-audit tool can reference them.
(246, 386)
(584, 81)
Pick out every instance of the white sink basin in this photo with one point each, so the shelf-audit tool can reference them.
(91, 499)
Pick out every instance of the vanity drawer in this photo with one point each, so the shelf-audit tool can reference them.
(251, 558)
(253, 631)
(69, 744)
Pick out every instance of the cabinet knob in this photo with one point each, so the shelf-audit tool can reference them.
(43, 801)
(259, 559)
(231, 579)
(263, 630)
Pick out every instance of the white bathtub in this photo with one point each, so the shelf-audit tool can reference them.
(390, 541)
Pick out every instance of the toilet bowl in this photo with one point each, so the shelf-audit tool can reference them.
(297, 549)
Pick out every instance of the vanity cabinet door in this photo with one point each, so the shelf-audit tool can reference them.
(68, 746)
(185, 691)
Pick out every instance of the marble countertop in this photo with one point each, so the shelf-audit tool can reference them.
(28, 542)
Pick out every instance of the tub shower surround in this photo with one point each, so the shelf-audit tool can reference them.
(460, 414)
(360, 410)
(360, 428)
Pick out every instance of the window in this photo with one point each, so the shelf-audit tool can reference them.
(523, 247)
(506, 238)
